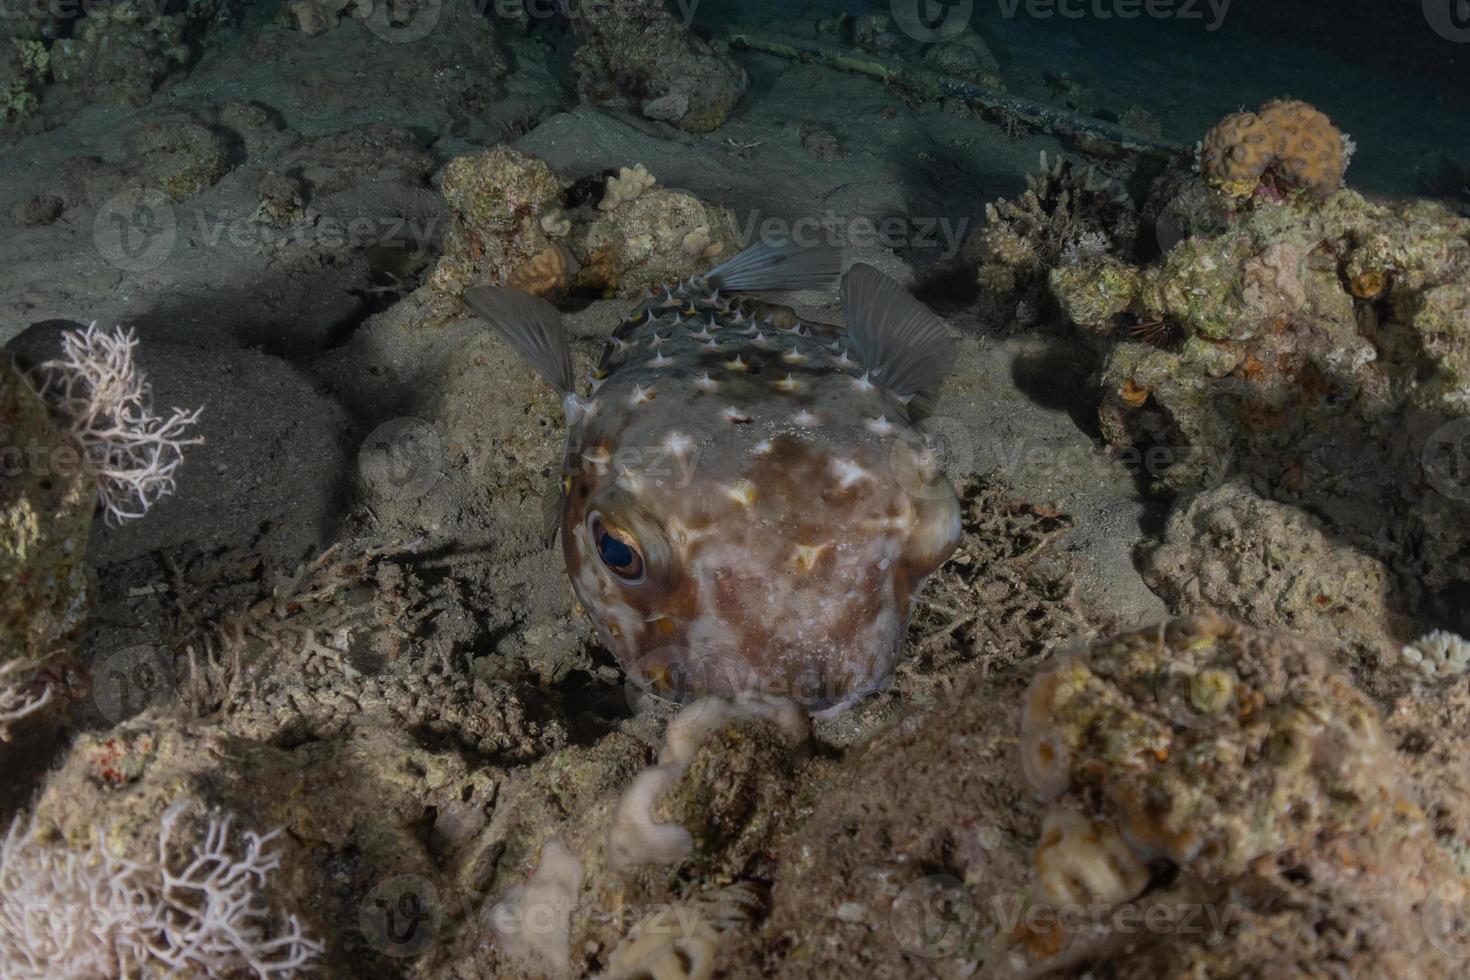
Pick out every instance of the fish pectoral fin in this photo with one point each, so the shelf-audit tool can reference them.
(551, 505)
(529, 324)
(900, 341)
(788, 265)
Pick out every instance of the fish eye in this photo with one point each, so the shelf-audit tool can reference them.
(619, 553)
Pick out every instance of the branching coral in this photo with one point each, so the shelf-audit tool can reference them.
(22, 693)
(1065, 214)
(88, 912)
(626, 186)
(107, 406)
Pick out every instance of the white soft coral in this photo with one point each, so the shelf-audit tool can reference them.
(22, 693)
(107, 405)
(67, 912)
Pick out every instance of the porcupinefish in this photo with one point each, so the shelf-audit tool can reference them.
(741, 512)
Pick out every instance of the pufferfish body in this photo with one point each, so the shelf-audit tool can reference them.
(744, 507)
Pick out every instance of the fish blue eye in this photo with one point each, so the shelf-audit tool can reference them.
(621, 556)
(616, 553)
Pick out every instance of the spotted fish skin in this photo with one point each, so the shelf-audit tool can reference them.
(758, 474)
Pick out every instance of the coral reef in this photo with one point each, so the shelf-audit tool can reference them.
(660, 236)
(316, 16)
(638, 57)
(358, 818)
(88, 911)
(1193, 740)
(46, 506)
(320, 657)
(1437, 655)
(1271, 565)
(1063, 208)
(119, 53)
(496, 202)
(626, 186)
(1284, 146)
(965, 56)
(512, 220)
(106, 404)
(1283, 371)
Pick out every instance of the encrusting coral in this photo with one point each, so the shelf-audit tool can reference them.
(1272, 565)
(1284, 146)
(1245, 760)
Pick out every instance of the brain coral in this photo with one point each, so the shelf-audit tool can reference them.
(1284, 146)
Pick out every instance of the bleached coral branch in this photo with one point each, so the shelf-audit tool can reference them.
(66, 912)
(107, 405)
(21, 693)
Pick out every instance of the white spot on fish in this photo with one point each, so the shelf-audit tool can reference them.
(737, 364)
(642, 395)
(743, 493)
(706, 383)
(848, 472)
(863, 384)
(880, 426)
(787, 384)
(735, 415)
(806, 419)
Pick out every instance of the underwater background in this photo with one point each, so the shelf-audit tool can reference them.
(294, 679)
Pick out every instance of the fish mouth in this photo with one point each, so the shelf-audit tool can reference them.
(819, 682)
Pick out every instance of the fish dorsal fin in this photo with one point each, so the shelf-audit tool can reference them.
(900, 341)
(777, 266)
(529, 324)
